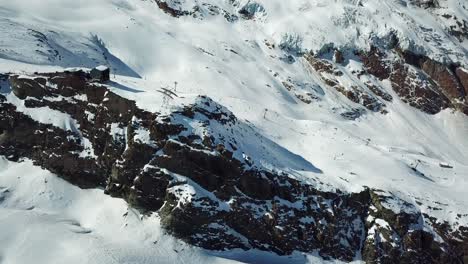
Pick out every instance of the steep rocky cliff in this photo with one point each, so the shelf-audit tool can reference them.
(191, 167)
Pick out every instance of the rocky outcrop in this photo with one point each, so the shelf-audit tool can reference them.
(251, 9)
(331, 76)
(462, 75)
(425, 3)
(205, 188)
(416, 89)
(446, 78)
(418, 80)
(459, 28)
(199, 10)
(170, 10)
(374, 64)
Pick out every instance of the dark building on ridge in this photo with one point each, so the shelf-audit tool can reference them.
(100, 73)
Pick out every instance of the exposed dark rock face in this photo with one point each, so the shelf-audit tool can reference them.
(169, 9)
(200, 10)
(416, 89)
(418, 80)
(374, 63)
(251, 9)
(445, 78)
(48, 146)
(425, 3)
(379, 91)
(401, 234)
(462, 75)
(459, 29)
(330, 76)
(204, 193)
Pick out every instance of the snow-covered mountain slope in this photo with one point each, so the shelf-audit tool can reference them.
(44, 219)
(351, 96)
(47, 220)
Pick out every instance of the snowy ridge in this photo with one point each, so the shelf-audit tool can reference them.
(241, 139)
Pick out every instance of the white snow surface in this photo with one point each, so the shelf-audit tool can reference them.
(102, 68)
(230, 63)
